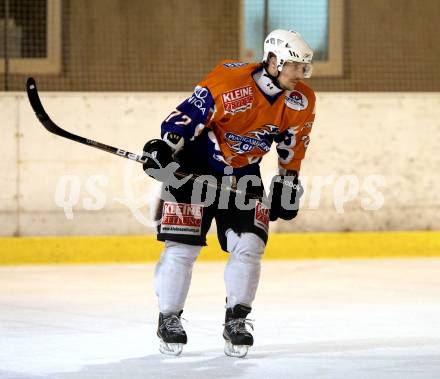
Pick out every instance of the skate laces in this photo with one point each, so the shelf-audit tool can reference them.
(173, 324)
(238, 325)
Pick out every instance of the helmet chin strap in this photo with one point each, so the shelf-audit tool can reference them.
(274, 79)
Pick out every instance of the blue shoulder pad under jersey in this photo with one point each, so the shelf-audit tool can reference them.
(191, 116)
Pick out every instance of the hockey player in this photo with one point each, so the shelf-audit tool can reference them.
(223, 129)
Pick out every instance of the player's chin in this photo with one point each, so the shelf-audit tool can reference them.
(290, 86)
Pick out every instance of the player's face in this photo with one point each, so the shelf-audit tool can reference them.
(291, 74)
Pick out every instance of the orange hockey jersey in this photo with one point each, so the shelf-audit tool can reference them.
(243, 121)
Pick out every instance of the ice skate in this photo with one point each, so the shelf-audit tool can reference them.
(171, 333)
(237, 337)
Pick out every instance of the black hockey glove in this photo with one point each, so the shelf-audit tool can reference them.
(286, 190)
(157, 156)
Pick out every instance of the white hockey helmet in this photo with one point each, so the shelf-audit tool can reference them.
(288, 46)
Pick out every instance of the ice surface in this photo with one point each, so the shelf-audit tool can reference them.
(313, 319)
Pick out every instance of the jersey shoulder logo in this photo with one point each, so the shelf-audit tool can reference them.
(296, 100)
(201, 99)
(238, 99)
(235, 64)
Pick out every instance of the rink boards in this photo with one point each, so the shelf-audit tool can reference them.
(370, 165)
(114, 249)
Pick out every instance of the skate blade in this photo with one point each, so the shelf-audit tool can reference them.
(238, 351)
(170, 348)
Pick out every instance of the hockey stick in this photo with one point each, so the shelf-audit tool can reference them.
(43, 117)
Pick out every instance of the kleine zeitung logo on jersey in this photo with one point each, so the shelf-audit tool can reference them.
(262, 216)
(181, 218)
(238, 99)
(297, 101)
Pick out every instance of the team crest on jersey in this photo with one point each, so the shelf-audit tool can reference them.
(234, 64)
(260, 139)
(296, 101)
(238, 99)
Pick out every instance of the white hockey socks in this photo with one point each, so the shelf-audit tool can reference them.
(173, 275)
(242, 272)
